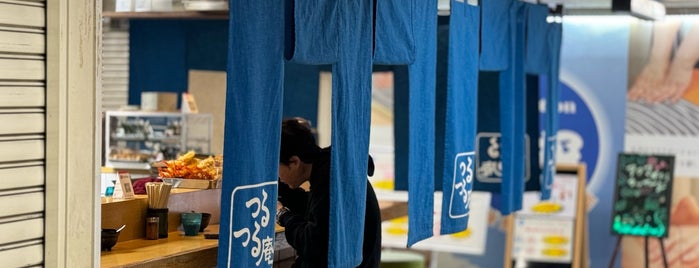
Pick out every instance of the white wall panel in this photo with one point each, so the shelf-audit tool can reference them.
(25, 14)
(22, 230)
(30, 203)
(22, 176)
(17, 96)
(22, 123)
(21, 150)
(19, 42)
(22, 132)
(22, 256)
(22, 69)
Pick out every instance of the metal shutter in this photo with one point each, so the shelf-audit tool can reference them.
(115, 64)
(22, 131)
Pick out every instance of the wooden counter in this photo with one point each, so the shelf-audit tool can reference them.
(392, 210)
(132, 212)
(183, 251)
(177, 250)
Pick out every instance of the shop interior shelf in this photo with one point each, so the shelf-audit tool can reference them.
(171, 139)
(222, 15)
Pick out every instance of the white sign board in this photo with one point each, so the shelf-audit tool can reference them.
(471, 241)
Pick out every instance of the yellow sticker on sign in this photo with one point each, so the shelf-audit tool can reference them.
(554, 252)
(555, 240)
(547, 208)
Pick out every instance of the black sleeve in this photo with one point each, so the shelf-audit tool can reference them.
(309, 235)
(293, 199)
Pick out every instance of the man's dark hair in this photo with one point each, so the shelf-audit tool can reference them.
(297, 140)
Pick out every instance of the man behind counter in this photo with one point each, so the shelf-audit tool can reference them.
(305, 215)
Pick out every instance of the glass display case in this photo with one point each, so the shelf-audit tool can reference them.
(135, 139)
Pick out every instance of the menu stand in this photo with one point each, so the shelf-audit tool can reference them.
(618, 245)
(642, 179)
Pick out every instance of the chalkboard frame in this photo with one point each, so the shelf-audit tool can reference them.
(621, 156)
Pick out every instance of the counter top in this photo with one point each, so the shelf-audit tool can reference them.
(148, 253)
(110, 200)
(177, 250)
(392, 210)
(132, 212)
(184, 251)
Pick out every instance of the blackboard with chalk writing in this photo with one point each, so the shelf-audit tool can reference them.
(642, 195)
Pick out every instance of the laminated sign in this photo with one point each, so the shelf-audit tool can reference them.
(257, 203)
(489, 164)
(488, 158)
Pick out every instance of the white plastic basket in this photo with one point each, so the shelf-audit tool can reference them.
(161, 5)
(205, 5)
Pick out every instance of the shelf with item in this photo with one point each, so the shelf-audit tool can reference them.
(166, 9)
(135, 139)
(185, 14)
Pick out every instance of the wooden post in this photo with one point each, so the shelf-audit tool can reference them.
(509, 227)
(580, 234)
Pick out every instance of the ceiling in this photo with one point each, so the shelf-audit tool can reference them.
(603, 6)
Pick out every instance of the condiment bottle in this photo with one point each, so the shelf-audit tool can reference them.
(152, 228)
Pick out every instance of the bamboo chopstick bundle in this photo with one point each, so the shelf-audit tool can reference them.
(167, 187)
(150, 192)
(158, 194)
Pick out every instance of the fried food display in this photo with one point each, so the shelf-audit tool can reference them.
(187, 166)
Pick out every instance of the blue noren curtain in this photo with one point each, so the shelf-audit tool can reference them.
(457, 153)
(254, 94)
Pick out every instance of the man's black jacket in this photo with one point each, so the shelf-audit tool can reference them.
(306, 225)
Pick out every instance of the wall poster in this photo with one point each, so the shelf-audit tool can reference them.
(661, 118)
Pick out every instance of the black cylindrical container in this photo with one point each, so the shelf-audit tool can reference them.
(161, 213)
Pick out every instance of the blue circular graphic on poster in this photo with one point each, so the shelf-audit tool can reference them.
(578, 136)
